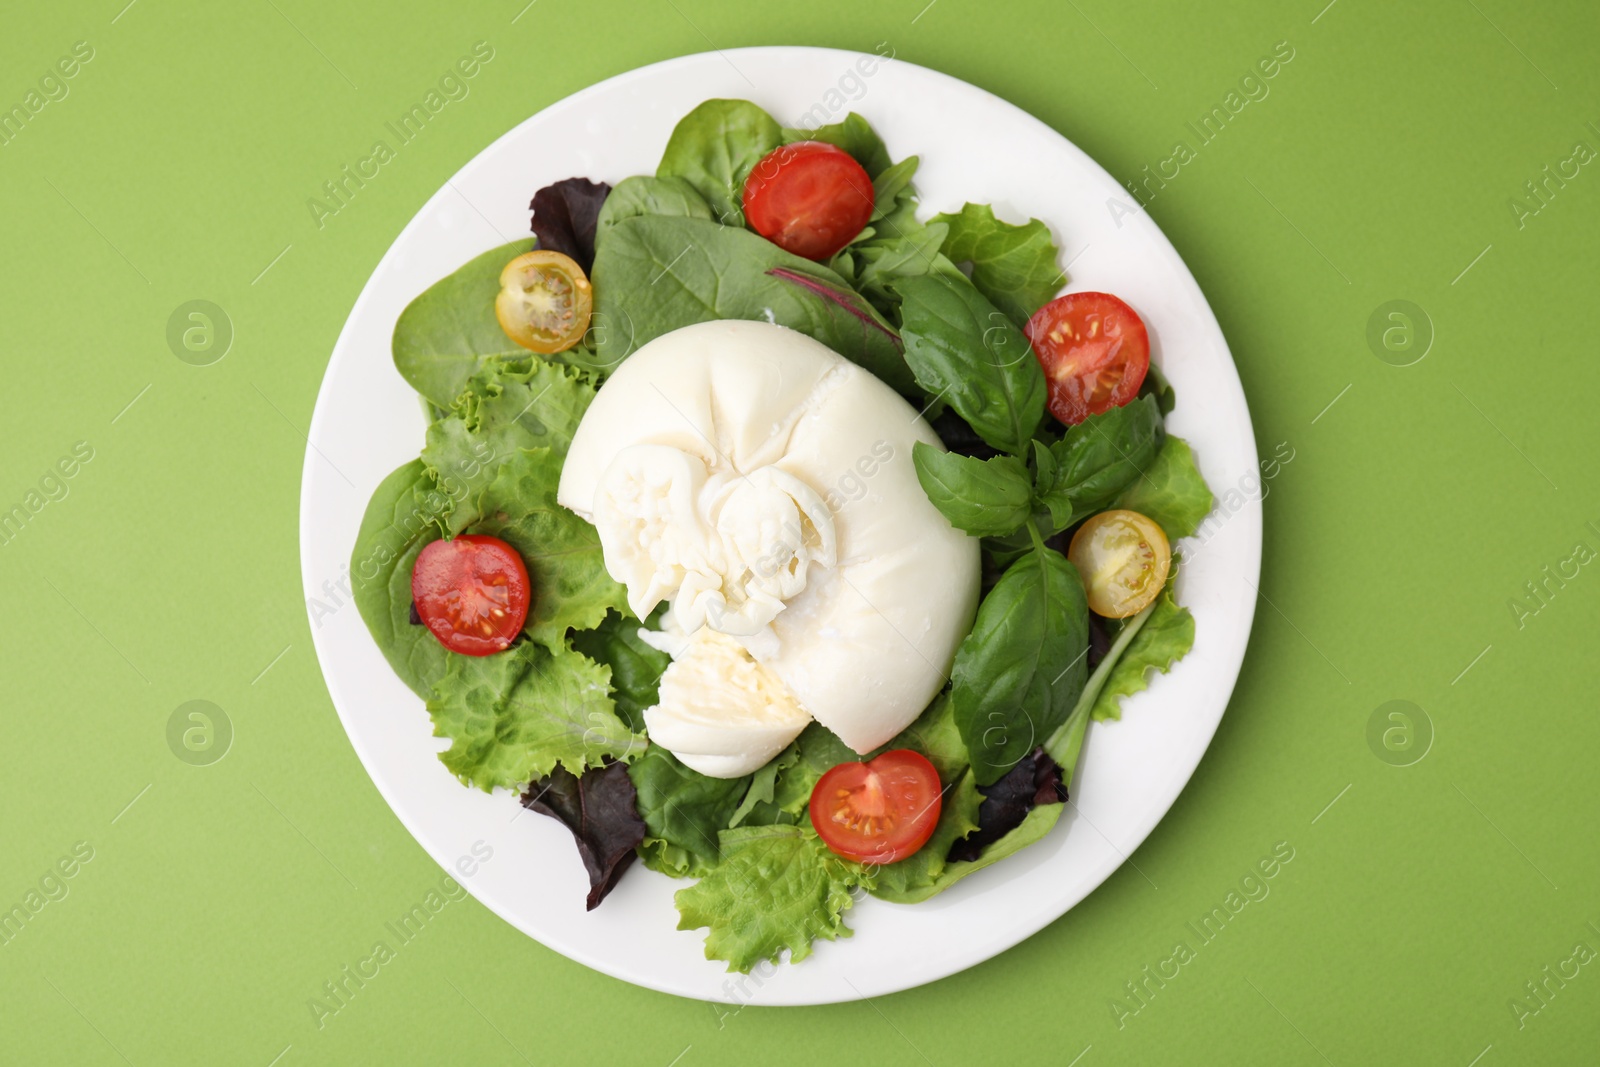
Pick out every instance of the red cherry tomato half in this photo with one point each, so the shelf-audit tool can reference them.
(1094, 351)
(878, 812)
(808, 198)
(472, 593)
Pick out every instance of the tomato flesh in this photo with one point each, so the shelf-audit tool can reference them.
(809, 198)
(472, 593)
(1123, 558)
(878, 812)
(1095, 352)
(545, 301)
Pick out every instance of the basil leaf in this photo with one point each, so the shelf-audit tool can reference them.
(1097, 459)
(1172, 492)
(853, 134)
(983, 497)
(448, 333)
(654, 274)
(964, 351)
(1020, 671)
(714, 147)
(644, 195)
(1014, 266)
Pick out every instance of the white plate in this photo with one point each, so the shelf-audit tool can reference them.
(975, 147)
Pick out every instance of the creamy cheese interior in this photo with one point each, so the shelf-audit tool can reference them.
(763, 486)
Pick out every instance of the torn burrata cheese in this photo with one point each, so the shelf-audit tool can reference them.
(762, 486)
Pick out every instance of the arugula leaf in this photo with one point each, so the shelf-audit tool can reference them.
(512, 717)
(982, 497)
(645, 195)
(816, 751)
(1172, 492)
(450, 332)
(934, 734)
(654, 274)
(401, 519)
(853, 134)
(889, 184)
(714, 147)
(1166, 636)
(566, 568)
(759, 800)
(962, 349)
(777, 887)
(1018, 674)
(1014, 266)
(598, 808)
(683, 812)
(1097, 459)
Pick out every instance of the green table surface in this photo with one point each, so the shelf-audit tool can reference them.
(1441, 910)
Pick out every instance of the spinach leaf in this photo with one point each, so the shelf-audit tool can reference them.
(636, 667)
(777, 887)
(684, 811)
(401, 519)
(982, 497)
(644, 195)
(966, 352)
(1084, 471)
(564, 216)
(598, 808)
(1172, 492)
(714, 147)
(1019, 673)
(1166, 635)
(654, 274)
(853, 134)
(449, 332)
(1014, 266)
(514, 716)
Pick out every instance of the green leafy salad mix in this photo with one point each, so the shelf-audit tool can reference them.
(939, 310)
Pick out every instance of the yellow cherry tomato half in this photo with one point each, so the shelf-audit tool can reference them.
(544, 302)
(1123, 558)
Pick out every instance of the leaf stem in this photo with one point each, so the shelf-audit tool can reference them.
(1066, 743)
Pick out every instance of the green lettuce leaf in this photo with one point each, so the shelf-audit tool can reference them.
(714, 147)
(654, 274)
(512, 717)
(1172, 492)
(1166, 637)
(963, 350)
(777, 888)
(983, 497)
(1014, 266)
(571, 588)
(450, 332)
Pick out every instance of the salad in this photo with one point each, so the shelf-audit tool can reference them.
(773, 537)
